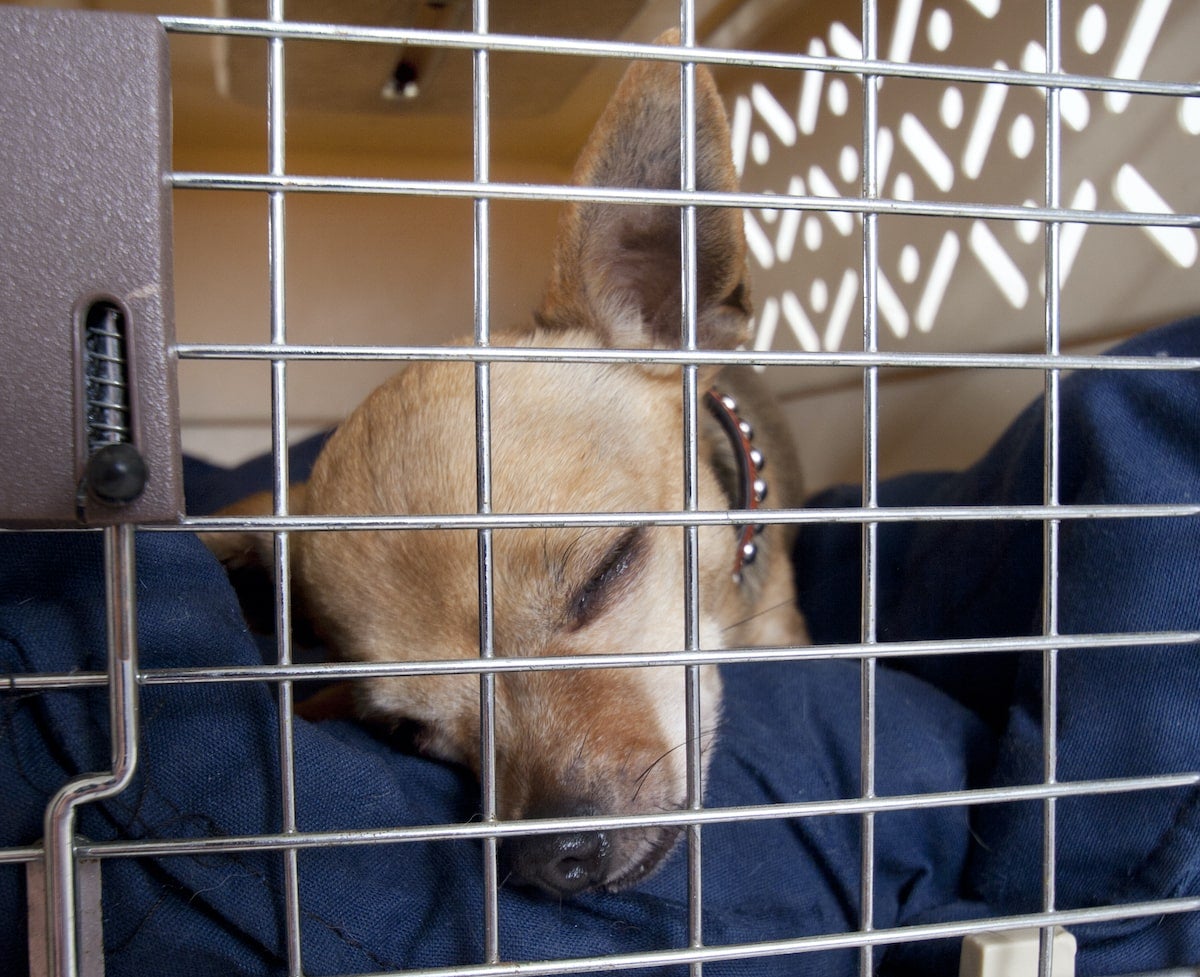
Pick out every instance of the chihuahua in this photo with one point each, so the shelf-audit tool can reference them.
(567, 437)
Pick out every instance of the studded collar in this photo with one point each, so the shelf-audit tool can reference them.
(751, 486)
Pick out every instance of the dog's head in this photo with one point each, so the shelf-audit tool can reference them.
(565, 437)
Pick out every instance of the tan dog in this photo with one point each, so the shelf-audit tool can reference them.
(566, 438)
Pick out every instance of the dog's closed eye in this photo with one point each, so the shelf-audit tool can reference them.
(608, 577)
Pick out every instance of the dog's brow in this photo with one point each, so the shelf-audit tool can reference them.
(580, 554)
(562, 562)
(616, 545)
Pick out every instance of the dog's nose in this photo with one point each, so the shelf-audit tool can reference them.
(561, 864)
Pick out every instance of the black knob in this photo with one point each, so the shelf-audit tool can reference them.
(116, 473)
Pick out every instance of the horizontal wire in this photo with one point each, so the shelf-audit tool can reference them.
(810, 944)
(475, 830)
(727, 517)
(782, 947)
(668, 518)
(719, 517)
(559, 46)
(533, 354)
(933, 931)
(347, 671)
(469, 189)
(675, 518)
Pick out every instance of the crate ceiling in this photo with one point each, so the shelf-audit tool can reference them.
(330, 77)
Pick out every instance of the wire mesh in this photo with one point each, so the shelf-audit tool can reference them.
(278, 184)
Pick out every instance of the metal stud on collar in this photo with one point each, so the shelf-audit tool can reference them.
(750, 462)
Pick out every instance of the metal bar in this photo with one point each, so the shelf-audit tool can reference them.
(155, 848)
(719, 517)
(545, 354)
(625, 50)
(690, 393)
(481, 129)
(60, 844)
(276, 271)
(185, 180)
(88, 909)
(358, 670)
(1051, 484)
(870, 488)
(907, 934)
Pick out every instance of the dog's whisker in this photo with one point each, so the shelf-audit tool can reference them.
(762, 612)
(640, 780)
(706, 734)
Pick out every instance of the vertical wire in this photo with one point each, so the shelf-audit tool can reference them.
(1051, 456)
(120, 582)
(276, 245)
(483, 443)
(691, 537)
(870, 490)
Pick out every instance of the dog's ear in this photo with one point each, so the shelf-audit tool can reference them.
(617, 266)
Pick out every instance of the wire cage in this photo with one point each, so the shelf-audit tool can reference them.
(949, 208)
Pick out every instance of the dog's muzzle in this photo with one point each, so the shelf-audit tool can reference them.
(570, 862)
(560, 864)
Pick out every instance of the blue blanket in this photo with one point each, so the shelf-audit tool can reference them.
(210, 768)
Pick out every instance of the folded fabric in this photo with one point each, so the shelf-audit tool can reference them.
(209, 768)
(1127, 437)
(209, 764)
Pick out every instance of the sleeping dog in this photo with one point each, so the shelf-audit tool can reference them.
(566, 437)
